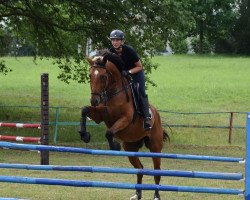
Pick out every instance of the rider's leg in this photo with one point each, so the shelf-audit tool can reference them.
(145, 112)
(140, 78)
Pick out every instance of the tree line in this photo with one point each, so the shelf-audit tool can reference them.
(55, 28)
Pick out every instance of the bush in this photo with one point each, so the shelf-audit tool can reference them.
(223, 46)
(179, 46)
(207, 47)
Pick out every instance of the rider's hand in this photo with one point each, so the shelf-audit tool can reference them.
(125, 73)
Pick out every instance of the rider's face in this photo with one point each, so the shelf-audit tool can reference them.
(116, 43)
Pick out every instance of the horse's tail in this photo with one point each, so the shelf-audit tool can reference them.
(166, 136)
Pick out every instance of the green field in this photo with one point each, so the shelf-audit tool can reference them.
(57, 192)
(184, 84)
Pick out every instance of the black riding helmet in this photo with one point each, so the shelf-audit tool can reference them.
(117, 34)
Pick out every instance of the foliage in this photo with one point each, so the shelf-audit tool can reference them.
(5, 42)
(55, 28)
(213, 20)
(206, 46)
(224, 46)
(3, 69)
(179, 45)
(241, 31)
(149, 66)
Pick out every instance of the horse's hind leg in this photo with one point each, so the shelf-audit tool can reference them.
(136, 164)
(113, 145)
(156, 147)
(157, 166)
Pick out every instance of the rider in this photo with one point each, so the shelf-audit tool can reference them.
(133, 67)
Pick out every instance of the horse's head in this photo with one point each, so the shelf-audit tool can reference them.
(102, 78)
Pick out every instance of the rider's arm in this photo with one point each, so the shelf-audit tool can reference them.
(137, 68)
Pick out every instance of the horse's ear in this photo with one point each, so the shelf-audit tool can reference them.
(91, 62)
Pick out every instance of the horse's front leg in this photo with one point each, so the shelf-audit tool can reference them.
(97, 114)
(85, 136)
(119, 125)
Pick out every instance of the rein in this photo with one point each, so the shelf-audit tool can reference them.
(108, 93)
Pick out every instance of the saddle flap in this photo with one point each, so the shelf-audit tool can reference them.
(135, 95)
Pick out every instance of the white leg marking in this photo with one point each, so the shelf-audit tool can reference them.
(135, 197)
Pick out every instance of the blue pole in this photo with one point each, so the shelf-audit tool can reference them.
(10, 145)
(1, 198)
(83, 183)
(247, 165)
(149, 172)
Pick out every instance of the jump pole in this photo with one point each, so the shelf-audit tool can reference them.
(44, 117)
(34, 147)
(20, 138)
(118, 185)
(149, 172)
(247, 164)
(20, 125)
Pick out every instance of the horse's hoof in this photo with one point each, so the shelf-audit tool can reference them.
(135, 197)
(157, 197)
(85, 136)
(116, 146)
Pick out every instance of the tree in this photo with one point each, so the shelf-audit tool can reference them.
(241, 31)
(55, 27)
(213, 21)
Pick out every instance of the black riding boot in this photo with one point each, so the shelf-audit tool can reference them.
(145, 112)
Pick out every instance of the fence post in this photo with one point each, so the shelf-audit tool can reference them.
(247, 164)
(230, 128)
(44, 117)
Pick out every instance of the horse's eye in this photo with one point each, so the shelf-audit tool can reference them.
(89, 76)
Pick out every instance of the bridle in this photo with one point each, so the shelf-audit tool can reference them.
(109, 91)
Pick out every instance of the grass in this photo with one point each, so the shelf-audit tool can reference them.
(201, 83)
(185, 84)
(59, 192)
(189, 83)
(24, 84)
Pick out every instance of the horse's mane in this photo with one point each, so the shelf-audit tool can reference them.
(112, 57)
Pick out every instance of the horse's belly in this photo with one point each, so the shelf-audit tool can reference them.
(133, 133)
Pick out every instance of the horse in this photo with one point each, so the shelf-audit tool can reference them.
(111, 103)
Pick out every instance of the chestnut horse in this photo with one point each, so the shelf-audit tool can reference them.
(112, 103)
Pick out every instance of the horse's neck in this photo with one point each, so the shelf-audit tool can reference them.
(120, 88)
(121, 92)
